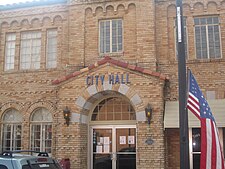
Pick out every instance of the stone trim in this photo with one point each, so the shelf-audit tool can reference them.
(92, 90)
(140, 116)
(123, 89)
(80, 102)
(85, 104)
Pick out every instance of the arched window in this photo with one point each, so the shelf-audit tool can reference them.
(12, 130)
(41, 130)
(113, 108)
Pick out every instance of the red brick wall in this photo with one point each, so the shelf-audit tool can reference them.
(172, 148)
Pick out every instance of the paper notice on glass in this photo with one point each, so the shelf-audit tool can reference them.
(122, 139)
(106, 148)
(131, 140)
(102, 140)
(98, 149)
(106, 140)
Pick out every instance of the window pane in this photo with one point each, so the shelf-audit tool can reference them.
(113, 109)
(110, 36)
(102, 37)
(41, 132)
(202, 21)
(51, 54)
(30, 50)
(17, 137)
(196, 140)
(107, 37)
(215, 20)
(36, 129)
(207, 38)
(196, 147)
(11, 136)
(196, 21)
(196, 161)
(6, 137)
(10, 47)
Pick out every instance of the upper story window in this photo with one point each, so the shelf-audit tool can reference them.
(10, 47)
(30, 50)
(51, 52)
(111, 36)
(185, 37)
(207, 38)
(12, 130)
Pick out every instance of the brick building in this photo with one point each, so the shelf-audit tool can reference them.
(103, 63)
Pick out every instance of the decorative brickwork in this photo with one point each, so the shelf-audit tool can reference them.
(148, 57)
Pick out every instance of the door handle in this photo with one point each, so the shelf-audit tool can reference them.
(113, 156)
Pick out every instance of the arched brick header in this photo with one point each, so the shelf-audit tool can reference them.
(11, 105)
(45, 104)
(86, 104)
(103, 8)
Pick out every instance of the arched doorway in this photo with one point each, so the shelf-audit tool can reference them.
(113, 133)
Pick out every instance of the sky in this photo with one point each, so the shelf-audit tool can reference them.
(4, 2)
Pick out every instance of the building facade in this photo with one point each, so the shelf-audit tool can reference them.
(77, 79)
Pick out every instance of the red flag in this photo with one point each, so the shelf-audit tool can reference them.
(211, 151)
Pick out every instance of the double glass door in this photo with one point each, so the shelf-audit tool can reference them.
(113, 147)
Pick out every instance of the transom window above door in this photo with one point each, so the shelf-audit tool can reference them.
(111, 36)
(113, 108)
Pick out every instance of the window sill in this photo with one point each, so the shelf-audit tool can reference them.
(28, 71)
(205, 60)
(116, 54)
(190, 61)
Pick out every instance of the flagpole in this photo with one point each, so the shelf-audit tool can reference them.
(183, 116)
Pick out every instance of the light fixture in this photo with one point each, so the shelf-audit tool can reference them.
(148, 113)
(66, 114)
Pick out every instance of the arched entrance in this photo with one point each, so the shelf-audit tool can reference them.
(112, 133)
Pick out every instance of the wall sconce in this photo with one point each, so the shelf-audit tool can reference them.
(148, 113)
(66, 114)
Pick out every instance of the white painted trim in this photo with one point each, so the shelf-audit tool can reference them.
(171, 117)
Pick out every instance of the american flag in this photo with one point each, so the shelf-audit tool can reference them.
(211, 151)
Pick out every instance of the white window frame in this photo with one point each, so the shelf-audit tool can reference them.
(110, 39)
(207, 38)
(13, 136)
(51, 50)
(10, 51)
(42, 137)
(12, 119)
(44, 121)
(191, 153)
(30, 52)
